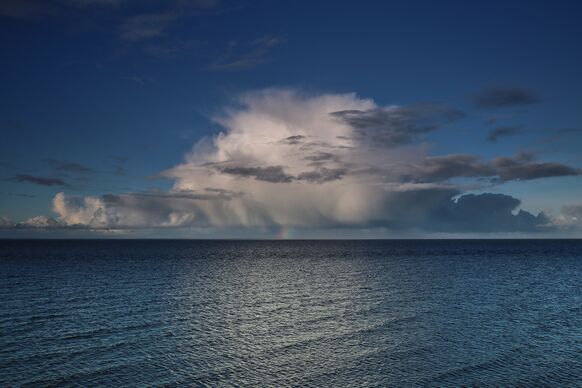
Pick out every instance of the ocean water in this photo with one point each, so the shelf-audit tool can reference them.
(291, 313)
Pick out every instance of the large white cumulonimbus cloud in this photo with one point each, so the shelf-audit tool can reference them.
(289, 159)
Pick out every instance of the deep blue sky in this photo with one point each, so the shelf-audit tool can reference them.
(98, 84)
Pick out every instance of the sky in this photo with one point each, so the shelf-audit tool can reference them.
(285, 119)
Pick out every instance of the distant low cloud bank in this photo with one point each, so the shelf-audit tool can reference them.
(290, 159)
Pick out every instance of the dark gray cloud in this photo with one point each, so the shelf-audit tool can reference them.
(486, 213)
(273, 174)
(398, 125)
(320, 157)
(519, 167)
(38, 180)
(443, 210)
(522, 168)
(293, 140)
(442, 168)
(505, 97)
(322, 175)
(207, 195)
(277, 174)
(498, 132)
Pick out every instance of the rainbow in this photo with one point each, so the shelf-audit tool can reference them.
(285, 233)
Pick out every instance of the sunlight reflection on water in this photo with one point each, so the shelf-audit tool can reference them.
(341, 313)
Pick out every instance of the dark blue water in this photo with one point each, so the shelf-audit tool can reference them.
(282, 313)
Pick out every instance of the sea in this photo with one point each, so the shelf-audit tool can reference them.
(366, 313)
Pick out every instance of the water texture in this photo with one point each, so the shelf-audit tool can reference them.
(290, 313)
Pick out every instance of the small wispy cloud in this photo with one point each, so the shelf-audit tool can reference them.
(20, 195)
(146, 26)
(505, 97)
(499, 132)
(39, 180)
(69, 167)
(242, 57)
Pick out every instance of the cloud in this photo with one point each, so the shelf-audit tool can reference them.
(248, 56)
(6, 223)
(395, 125)
(42, 222)
(524, 167)
(498, 132)
(38, 180)
(570, 217)
(505, 97)
(20, 195)
(519, 167)
(69, 167)
(428, 209)
(274, 174)
(289, 159)
(286, 158)
(38, 222)
(487, 213)
(146, 26)
(442, 168)
(322, 175)
(291, 140)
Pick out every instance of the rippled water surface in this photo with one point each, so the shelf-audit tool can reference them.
(278, 313)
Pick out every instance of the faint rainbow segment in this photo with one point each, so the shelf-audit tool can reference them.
(286, 233)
